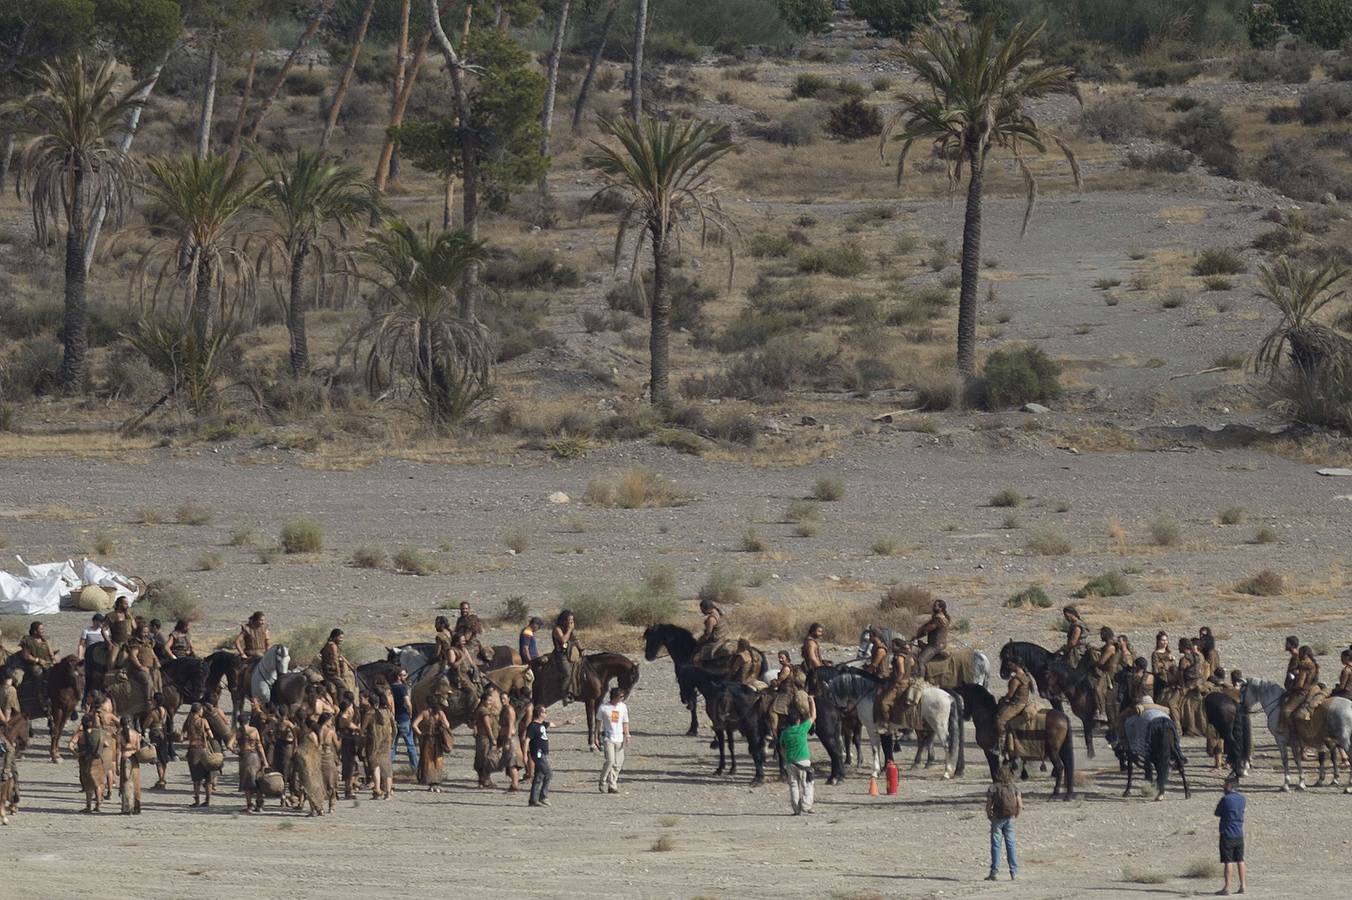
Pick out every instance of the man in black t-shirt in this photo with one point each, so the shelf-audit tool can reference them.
(403, 720)
(537, 737)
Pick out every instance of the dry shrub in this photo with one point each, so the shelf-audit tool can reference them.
(147, 515)
(1048, 543)
(1202, 868)
(607, 604)
(634, 489)
(413, 562)
(1118, 535)
(829, 489)
(1109, 584)
(168, 602)
(722, 587)
(191, 513)
(517, 540)
(1165, 532)
(302, 536)
(907, 597)
(104, 544)
(1266, 583)
(1030, 596)
(368, 558)
(664, 844)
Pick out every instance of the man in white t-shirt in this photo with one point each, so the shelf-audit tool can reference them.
(95, 634)
(612, 733)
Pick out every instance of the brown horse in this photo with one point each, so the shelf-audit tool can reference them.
(1049, 740)
(56, 694)
(597, 670)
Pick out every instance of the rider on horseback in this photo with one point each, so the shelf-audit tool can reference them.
(1299, 700)
(38, 656)
(936, 629)
(1344, 688)
(564, 637)
(708, 643)
(1077, 637)
(1012, 704)
(898, 680)
(251, 643)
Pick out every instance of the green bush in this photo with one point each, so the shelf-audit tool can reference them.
(1206, 133)
(1017, 376)
(1119, 120)
(1030, 596)
(302, 536)
(847, 260)
(1294, 167)
(808, 85)
(1294, 66)
(829, 489)
(854, 120)
(1109, 584)
(530, 269)
(688, 298)
(1325, 103)
(895, 18)
(1167, 75)
(1219, 261)
(1006, 498)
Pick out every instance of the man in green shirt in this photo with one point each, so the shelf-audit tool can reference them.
(793, 747)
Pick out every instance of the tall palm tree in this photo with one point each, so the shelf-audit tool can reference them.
(72, 164)
(309, 198)
(974, 88)
(203, 206)
(445, 359)
(661, 169)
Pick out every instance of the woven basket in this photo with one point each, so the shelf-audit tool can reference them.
(214, 759)
(146, 754)
(93, 598)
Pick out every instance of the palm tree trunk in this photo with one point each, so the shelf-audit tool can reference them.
(74, 326)
(301, 43)
(448, 202)
(636, 73)
(391, 166)
(386, 168)
(200, 314)
(469, 157)
(295, 313)
(594, 63)
(208, 102)
(340, 93)
(238, 133)
(971, 264)
(658, 343)
(133, 122)
(552, 88)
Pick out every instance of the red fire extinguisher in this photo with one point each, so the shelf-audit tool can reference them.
(892, 777)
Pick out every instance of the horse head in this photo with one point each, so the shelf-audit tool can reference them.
(392, 655)
(653, 641)
(283, 659)
(1006, 653)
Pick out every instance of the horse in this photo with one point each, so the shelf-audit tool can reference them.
(224, 666)
(973, 666)
(732, 706)
(271, 666)
(1335, 731)
(681, 646)
(1151, 740)
(417, 656)
(981, 708)
(597, 670)
(1223, 714)
(940, 711)
(1057, 682)
(56, 695)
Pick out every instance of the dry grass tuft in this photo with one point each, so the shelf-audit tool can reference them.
(801, 511)
(722, 587)
(1118, 535)
(104, 544)
(1109, 584)
(517, 540)
(1165, 532)
(907, 597)
(149, 516)
(412, 561)
(1142, 876)
(191, 513)
(1266, 583)
(751, 542)
(368, 558)
(829, 489)
(885, 547)
(787, 622)
(1030, 596)
(1265, 536)
(664, 844)
(210, 562)
(1202, 868)
(1231, 515)
(243, 536)
(301, 536)
(635, 489)
(1006, 498)
(1048, 543)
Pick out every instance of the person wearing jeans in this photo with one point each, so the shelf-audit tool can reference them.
(1003, 805)
(794, 751)
(612, 733)
(537, 734)
(403, 721)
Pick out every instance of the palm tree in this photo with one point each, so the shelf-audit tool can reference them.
(445, 359)
(307, 199)
(973, 102)
(73, 163)
(1299, 294)
(636, 67)
(202, 206)
(661, 170)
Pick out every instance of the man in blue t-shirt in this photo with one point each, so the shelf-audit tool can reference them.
(1230, 810)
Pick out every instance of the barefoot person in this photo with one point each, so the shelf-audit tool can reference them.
(248, 743)
(1230, 811)
(197, 735)
(129, 767)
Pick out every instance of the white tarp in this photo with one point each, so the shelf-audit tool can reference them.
(120, 585)
(41, 591)
(31, 596)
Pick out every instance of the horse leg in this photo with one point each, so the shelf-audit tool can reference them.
(919, 749)
(732, 751)
(1320, 781)
(1131, 771)
(1286, 767)
(756, 746)
(718, 739)
(590, 705)
(994, 762)
(694, 718)
(1088, 722)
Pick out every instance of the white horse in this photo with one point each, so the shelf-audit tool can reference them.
(274, 663)
(412, 658)
(1268, 695)
(849, 688)
(981, 665)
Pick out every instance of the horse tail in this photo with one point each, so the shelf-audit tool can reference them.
(1176, 743)
(956, 726)
(1245, 741)
(981, 669)
(1067, 754)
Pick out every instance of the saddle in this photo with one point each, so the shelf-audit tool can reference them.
(1027, 732)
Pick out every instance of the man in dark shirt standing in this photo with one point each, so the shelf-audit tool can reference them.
(1230, 810)
(537, 737)
(403, 720)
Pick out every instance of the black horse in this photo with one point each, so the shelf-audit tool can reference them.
(1056, 681)
(224, 667)
(1223, 713)
(680, 646)
(979, 706)
(1152, 745)
(732, 706)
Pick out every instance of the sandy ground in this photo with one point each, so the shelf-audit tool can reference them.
(728, 839)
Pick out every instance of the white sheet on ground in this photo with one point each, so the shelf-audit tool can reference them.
(31, 596)
(69, 577)
(120, 585)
